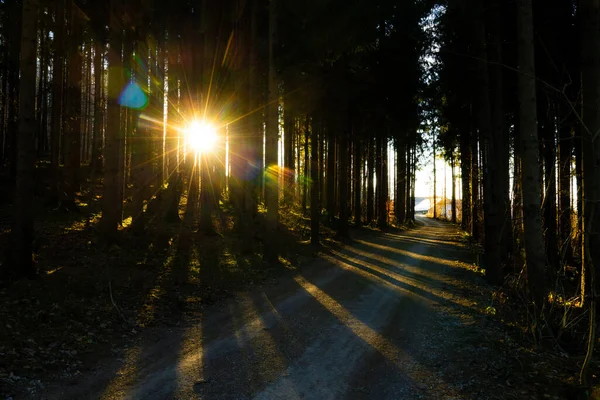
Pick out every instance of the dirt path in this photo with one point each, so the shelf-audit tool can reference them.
(383, 318)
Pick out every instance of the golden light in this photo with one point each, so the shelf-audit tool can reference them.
(201, 136)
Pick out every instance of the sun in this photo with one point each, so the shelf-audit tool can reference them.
(201, 136)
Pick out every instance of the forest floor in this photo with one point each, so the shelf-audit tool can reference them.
(402, 314)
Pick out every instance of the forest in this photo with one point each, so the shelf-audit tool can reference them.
(159, 157)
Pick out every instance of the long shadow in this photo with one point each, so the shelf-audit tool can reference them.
(375, 275)
(351, 253)
(357, 334)
(215, 376)
(408, 313)
(434, 275)
(148, 364)
(139, 257)
(443, 258)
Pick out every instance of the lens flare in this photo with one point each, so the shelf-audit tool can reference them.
(201, 136)
(133, 97)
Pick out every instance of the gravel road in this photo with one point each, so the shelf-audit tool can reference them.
(383, 318)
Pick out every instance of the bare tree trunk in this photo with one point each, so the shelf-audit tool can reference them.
(331, 144)
(488, 145)
(98, 105)
(73, 114)
(305, 186)
(434, 180)
(112, 201)
(41, 89)
(453, 188)
(23, 224)
(139, 150)
(370, 182)
(465, 169)
(413, 185)
(357, 182)
(343, 183)
(547, 127)
(315, 213)
(409, 172)
(14, 43)
(383, 192)
(378, 174)
(272, 192)
(289, 176)
(474, 187)
(400, 206)
(173, 192)
(57, 97)
(517, 209)
(565, 148)
(590, 22)
(498, 231)
(532, 221)
(577, 144)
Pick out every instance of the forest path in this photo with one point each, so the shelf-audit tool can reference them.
(387, 317)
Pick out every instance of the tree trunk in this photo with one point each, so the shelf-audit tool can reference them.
(577, 144)
(41, 89)
(14, 43)
(378, 174)
(474, 187)
(532, 222)
(330, 176)
(517, 209)
(453, 188)
(434, 201)
(112, 201)
(73, 114)
(272, 187)
(23, 226)
(315, 213)
(98, 105)
(343, 183)
(590, 22)
(173, 192)
(409, 171)
(370, 182)
(565, 148)
(465, 172)
(140, 159)
(400, 206)
(57, 97)
(289, 176)
(305, 186)
(413, 185)
(357, 182)
(498, 156)
(547, 128)
(383, 192)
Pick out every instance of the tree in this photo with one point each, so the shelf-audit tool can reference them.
(23, 227)
(272, 135)
(73, 112)
(111, 202)
(315, 209)
(590, 25)
(532, 221)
